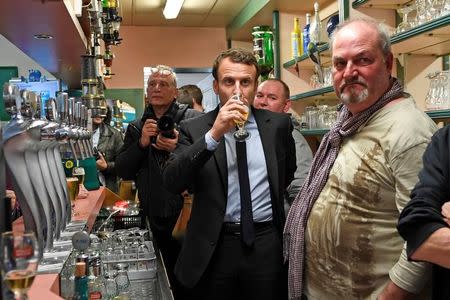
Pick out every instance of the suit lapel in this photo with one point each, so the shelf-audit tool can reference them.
(269, 143)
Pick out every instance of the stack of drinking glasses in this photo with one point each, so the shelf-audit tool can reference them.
(122, 265)
(319, 117)
(439, 91)
(425, 11)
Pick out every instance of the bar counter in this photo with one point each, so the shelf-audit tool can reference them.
(46, 286)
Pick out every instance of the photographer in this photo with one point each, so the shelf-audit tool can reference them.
(146, 148)
(107, 142)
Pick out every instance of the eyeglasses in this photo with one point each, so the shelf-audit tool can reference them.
(161, 70)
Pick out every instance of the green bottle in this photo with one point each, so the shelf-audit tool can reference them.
(81, 282)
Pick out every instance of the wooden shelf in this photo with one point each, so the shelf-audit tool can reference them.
(304, 62)
(387, 4)
(322, 93)
(432, 38)
(439, 114)
(314, 132)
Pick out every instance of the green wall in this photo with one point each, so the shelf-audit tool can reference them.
(134, 97)
(6, 73)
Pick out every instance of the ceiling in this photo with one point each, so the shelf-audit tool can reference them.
(21, 19)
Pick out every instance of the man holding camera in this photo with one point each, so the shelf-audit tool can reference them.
(147, 145)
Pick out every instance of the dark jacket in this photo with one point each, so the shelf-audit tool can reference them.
(422, 215)
(205, 172)
(144, 166)
(109, 143)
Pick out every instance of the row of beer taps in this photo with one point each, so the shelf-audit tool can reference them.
(35, 141)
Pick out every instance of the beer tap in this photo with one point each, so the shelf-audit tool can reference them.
(35, 165)
(86, 133)
(57, 172)
(17, 140)
(79, 129)
(73, 132)
(49, 164)
(66, 151)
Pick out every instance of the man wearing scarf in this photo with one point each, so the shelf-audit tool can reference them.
(340, 236)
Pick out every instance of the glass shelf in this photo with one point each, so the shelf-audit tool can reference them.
(312, 132)
(325, 92)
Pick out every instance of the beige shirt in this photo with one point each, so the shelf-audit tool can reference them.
(352, 244)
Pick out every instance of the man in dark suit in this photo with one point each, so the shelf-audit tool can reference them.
(225, 255)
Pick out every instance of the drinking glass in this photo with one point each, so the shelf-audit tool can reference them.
(405, 25)
(111, 285)
(74, 188)
(20, 258)
(241, 134)
(431, 98)
(79, 173)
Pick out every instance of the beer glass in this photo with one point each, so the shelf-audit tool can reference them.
(241, 134)
(19, 261)
(73, 187)
(79, 173)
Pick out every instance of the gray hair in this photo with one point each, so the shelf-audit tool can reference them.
(384, 41)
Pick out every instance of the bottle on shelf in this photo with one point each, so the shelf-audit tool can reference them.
(296, 40)
(316, 33)
(306, 31)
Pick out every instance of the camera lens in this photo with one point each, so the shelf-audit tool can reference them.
(166, 125)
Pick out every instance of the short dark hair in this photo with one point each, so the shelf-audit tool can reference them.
(236, 55)
(286, 90)
(188, 92)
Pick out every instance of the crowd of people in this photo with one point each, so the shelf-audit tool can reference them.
(271, 221)
(366, 217)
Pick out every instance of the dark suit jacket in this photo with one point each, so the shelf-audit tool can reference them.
(205, 173)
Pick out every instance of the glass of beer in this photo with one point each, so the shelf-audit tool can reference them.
(78, 172)
(74, 188)
(19, 261)
(241, 134)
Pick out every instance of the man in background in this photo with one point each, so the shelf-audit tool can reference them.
(425, 221)
(108, 141)
(146, 148)
(273, 95)
(191, 95)
(340, 234)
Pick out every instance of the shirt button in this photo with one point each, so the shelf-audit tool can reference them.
(212, 243)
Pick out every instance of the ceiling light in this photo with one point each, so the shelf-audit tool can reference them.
(42, 36)
(172, 8)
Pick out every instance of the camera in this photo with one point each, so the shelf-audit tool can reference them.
(166, 126)
(97, 153)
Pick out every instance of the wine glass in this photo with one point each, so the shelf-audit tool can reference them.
(241, 134)
(20, 258)
(405, 25)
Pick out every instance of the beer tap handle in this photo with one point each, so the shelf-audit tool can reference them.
(71, 110)
(77, 114)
